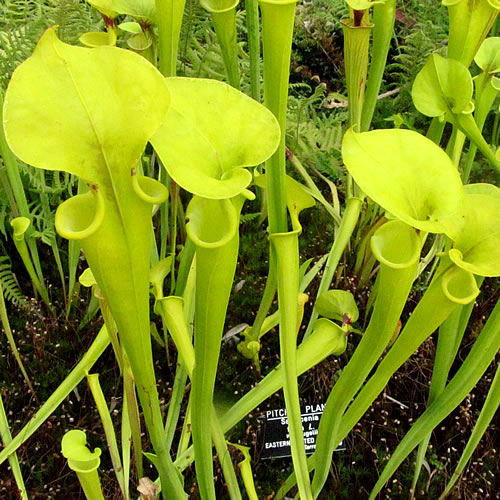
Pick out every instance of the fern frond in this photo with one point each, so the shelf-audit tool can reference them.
(43, 222)
(300, 86)
(314, 134)
(423, 39)
(53, 183)
(11, 290)
(199, 50)
(244, 218)
(22, 22)
(16, 45)
(74, 18)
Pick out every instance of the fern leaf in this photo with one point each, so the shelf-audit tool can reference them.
(11, 290)
(249, 217)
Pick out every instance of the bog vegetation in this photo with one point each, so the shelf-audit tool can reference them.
(208, 210)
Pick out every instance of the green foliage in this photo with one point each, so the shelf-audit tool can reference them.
(46, 190)
(211, 163)
(51, 183)
(420, 40)
(199, 51)
(22, 22)
(314, 133)
(317, 41)
(385, 162)
(43, 222)
(244, 218)
(443, 87)
(11, 289)
(18, 12)
(16, 44)
(74, 17)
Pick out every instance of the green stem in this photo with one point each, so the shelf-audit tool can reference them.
(450, 337)
(468, 163)
(349, 221)
(224, 458)
(57, 397)
(356, 47)
(169, 15)
(224, 21)
(13, 460)
(133, 414)
(384, 15)
(454, 286)
(183, 287)
(277, 30)
(185, 436)
(479, 358)
(175, 403)
(148, 396)
(174, 203)
(172, 310)
(320, 344)
(53, 242)
(442, 364)
(267, 299)
(164, 178)
(488, 411)
(315, 192)
(457, 146)
(17, 187)
(213, 227)
(73, 259)
(107, 424)
(126, 441)
(397, 247)
(467, 125)
(110, 327)
(22, 248)
(4, 319)
(285, 245)
(495, 133)
(184, 267)
(448, 290)
(436, 129)
(252, 17)
(91, 485)
(4, 180)
(485, 95)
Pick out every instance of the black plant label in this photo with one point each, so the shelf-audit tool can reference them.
(276, 438)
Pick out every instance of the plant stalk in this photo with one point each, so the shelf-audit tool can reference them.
(384, 16)
(169, 19)
(277, 30)
(397, 247)
(285, 246)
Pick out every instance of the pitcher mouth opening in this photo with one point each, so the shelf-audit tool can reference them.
(80, 216)
(396, 245)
